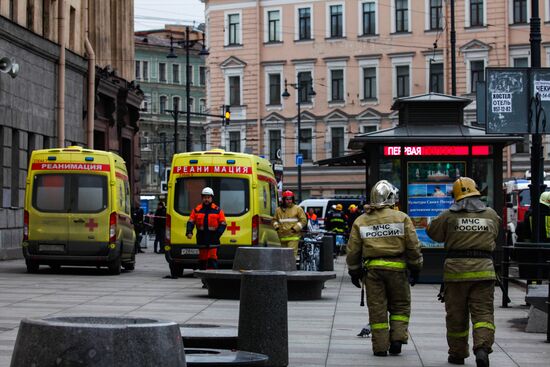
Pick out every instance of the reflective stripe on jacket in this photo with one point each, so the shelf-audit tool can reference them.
(288, 222)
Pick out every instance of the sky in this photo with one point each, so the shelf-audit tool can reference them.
(153, 14)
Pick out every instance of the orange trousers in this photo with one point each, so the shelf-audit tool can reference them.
(208, 258)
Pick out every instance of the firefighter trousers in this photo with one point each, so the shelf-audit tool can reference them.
(465, 299)
(388, 292)
(292, 244)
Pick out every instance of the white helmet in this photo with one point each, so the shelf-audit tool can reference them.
(207, 191)
(383, 194)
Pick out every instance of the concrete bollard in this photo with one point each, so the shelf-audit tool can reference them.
(327, 258)
(263, 315)
(98, 342)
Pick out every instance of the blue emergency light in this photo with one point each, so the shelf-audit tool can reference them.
(89, 159)
(230, 161)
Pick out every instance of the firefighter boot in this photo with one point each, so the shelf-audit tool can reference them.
(381, 354)
(482, 357)
(455, 360)
(395, 348)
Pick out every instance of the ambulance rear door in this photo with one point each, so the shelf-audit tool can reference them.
(89, 213)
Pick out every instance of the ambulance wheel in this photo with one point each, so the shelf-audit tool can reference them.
(176, 270)
(32, 266)
(114, 266)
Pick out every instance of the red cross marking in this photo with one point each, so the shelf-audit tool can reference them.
(91, 225)
(233, 228)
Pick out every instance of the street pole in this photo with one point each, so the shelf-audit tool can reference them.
(453, 49)
(187, 91)
(537, 160)
(175, 113)
(299, 146)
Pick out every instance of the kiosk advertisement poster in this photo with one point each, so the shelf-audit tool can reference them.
(429, 192)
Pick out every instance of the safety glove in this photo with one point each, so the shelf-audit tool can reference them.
(414, 274)
(356, 275)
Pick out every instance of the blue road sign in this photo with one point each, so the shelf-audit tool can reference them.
(299, 159)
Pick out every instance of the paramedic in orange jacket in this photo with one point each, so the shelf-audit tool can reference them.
(210, 222)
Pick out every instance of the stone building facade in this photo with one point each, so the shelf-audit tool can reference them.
(358, 56)
(28, 114)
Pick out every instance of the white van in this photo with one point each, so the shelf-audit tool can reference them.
(321, 207)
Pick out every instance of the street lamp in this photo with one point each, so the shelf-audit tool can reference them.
(299, 88)
(187, 45)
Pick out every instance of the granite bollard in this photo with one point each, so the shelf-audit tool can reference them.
(327, 250)
(263, 315)
(98, 342)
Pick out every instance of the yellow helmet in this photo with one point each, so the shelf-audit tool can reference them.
(545, 198)
(339, 207)
(464, 187)
(352, 207)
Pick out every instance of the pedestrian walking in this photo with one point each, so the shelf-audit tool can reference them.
(159, 225)
(137, 220)
(288, 221)
(383, 245)
(469, 230)
(210, 222)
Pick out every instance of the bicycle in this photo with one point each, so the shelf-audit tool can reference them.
(310, 252)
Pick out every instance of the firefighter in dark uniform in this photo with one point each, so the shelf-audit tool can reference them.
(469, 230)
(210, 222)
(383, 242)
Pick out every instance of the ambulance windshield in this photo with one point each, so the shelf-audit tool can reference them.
(231, 194)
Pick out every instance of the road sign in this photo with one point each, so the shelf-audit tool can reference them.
(299, 159)
(507, 97)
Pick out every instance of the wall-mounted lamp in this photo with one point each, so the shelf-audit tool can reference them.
(9, 66)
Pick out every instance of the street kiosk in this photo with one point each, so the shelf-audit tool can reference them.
(423, 155)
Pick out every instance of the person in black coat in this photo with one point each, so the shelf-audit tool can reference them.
(137, 219)
(160, 227)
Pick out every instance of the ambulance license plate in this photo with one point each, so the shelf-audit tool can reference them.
(52, 248)
(189, 251)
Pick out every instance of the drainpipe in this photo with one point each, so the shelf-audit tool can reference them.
(61, 74)
(91, 80)
(259, 92)
(506, 62)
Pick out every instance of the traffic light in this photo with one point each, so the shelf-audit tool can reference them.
(227, 114)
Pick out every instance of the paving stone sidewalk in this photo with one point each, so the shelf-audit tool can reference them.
(321, 333)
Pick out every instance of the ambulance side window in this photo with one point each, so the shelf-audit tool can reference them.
(121, 195)
(273, 198)
(127, 189)
(263, 193)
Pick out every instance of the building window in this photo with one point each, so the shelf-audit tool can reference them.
(162, 72)
(274, 89)
(162, 104)
(436, 14)
(476, 13)
(520, 11)
(521, 62)
(402, 78)
(176, 103)
(369, 83)
(274, 25)
(145, 70)
(369, 19)
(368, 129)
(274, 144)
(145, 141)
(336, 21)
(145, 103)
(337, 135)
(436, 78)
(202, 105)
(138, 70)
(235, 90)
(304, 23)
(190, 68)
(337, 84)
(175, 73)
(305, 82)
(202, 75)
(401, 16)
(234, 25)
(306, 144)
(523, 147)
(235, 141)
(477, 69)
(72, 28)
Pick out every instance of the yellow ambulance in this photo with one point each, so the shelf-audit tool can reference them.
(245, 189)
(77, 210)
